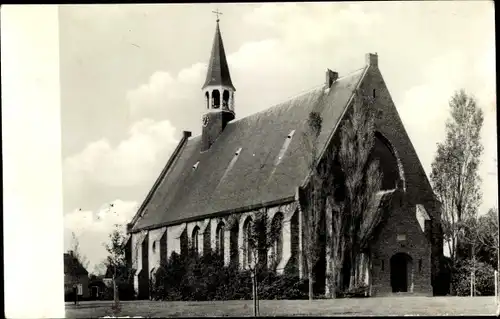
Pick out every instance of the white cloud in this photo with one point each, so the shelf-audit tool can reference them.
(92, 228)
(133, 161)
(307, 38)
(421, 67)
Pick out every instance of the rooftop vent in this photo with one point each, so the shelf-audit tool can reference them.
(231, 164)
(195, 166)
(287, 142)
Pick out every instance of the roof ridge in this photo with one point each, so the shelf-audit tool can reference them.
(301, 93)
(350, 73)
(304, 92)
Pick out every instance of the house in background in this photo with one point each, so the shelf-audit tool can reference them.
(74, 273)
(97, 287)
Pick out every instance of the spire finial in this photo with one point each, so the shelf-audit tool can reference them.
(217, 13)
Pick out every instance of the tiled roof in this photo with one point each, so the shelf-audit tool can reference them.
(256, 176)
(72, 266)
(218, 69)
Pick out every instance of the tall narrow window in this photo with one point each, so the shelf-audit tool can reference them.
(382, 265)
(277, 240)
(225, 99)
(208, 100)
(220, 239)
(374, 94)
(247, 245)
(195, 238)
(215, 99)
(419, 265)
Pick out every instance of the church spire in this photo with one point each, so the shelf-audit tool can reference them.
(218, 69)
(218, 91)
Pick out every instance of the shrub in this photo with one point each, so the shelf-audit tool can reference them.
(484, 273)
(205, 278)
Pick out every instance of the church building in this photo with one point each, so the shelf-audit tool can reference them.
(214, 183)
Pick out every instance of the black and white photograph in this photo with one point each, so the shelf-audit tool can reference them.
(276, 159)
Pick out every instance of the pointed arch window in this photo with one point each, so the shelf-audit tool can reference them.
(195, 239)
(219, 242)
(277, 238)
(247, 245)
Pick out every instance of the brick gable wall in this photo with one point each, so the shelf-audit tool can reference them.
(418, 188)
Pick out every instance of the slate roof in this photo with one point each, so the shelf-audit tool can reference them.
(218, 69)
(185, 193)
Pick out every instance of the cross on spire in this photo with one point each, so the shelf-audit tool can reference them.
(217, 13)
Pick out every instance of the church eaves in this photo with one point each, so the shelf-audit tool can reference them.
(218, 69)
(254, 178)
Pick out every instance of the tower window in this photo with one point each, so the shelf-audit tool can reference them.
(207, 99)
(215, 99)
(225, 99)
(382, 265)
(374, 94)
(420, 265)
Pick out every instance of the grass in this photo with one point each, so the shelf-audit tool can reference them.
(388, 306)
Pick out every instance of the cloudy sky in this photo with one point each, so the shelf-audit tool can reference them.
(131, 78)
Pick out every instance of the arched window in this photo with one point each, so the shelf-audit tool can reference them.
(389, 164)
(220, 239)
(215, 99)
(225, 99)
(194, 239)
(277, 238)
(207, 99)
(247, 245)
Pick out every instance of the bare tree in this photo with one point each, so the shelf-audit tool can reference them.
(77, 263)
(116, 261)
(260, 235)
(455, 175)
(77, 254)
(361, 173)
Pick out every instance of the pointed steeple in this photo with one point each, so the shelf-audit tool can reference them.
(218, 70)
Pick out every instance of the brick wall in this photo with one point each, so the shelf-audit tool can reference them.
(418, 188)
(401, 220)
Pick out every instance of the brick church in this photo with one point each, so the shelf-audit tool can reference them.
(238, 166)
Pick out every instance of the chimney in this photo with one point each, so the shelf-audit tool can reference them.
(331, 77)
(371, 59)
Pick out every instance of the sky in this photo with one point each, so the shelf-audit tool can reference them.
(131, 78)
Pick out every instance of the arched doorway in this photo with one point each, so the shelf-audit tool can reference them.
(401, 268)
